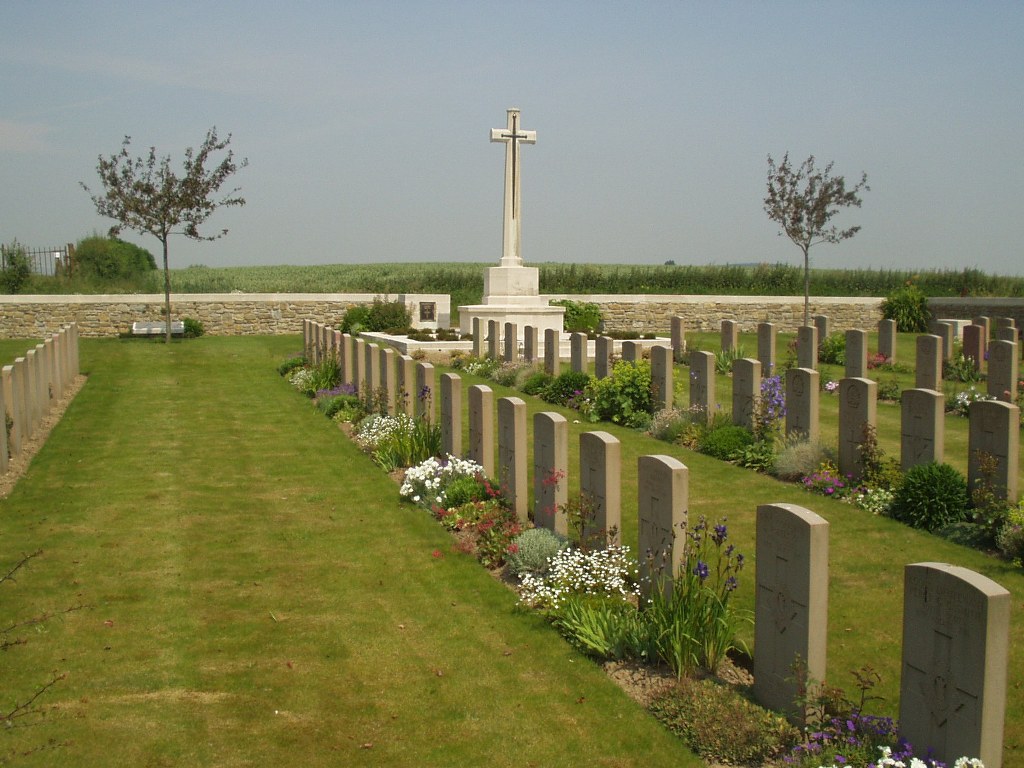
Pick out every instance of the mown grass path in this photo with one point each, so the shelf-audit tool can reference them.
(257, 596)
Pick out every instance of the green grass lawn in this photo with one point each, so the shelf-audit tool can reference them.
(255, 594)
(867, 553)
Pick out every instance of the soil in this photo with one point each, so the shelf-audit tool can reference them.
(18, 465)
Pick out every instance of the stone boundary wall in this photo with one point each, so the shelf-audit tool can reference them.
(236, 314)
(222, 314)
(653, 313)
(969, 308)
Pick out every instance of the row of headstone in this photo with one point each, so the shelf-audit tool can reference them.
(506, 338)
(956, 626)
(390, 382)
(956, 622)
(32, 385)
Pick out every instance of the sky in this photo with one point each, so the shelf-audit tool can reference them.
(366, 125)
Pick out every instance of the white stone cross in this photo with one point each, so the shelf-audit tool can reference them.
(511, 255)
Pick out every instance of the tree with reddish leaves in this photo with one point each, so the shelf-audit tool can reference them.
(802, 200)
(146, 195)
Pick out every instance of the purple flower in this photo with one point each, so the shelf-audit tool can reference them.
(701, 570)
(719, 534)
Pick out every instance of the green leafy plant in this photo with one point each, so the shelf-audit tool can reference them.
(356, 319)
(908, 306)
(16, 268)
(724, 358)
(290, 365)
(605, 628)
(725, 441)
(696, 625)
(932, 496)
(407, 447)
(832, 349)
(624, 397)
(193, 328)
(721, 725)
(108, 258)
(580, 316)
(536, 383)
(758, 456)
(1011, 538)
(388, 315)
(960, 368)
(989, 509)
(567, 386)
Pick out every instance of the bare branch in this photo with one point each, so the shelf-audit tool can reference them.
(25, 708)
(9, 576)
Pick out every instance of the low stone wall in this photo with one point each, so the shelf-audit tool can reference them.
(222, 314)
(234, 314)
(968, 308)
(706, 313)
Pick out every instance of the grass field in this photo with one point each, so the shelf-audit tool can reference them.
(464, 280)
(254, 592)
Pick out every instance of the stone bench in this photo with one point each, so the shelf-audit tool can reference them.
(158, 328)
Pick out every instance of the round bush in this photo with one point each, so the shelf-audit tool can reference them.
(908, 306)
(932, 496)
(725, 442)
(464, 489)
(532, 551)
(567, 386)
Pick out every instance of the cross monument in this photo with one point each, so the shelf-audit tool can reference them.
(512, 290)
(512, 136)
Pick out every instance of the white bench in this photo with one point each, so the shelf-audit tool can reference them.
(158, 328)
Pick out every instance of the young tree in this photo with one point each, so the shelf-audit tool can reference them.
(145, 195)
(802, 200)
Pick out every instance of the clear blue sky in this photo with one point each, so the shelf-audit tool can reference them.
(366, 124)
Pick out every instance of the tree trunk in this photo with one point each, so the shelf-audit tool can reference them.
(807, 286)
(167, 293)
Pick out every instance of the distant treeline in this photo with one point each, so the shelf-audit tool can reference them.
(464, 281)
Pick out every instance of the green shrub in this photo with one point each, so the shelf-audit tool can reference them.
(932, 496)
(724, 358)
(1011, 538)
(580, 316)
(758, 456)
(332, 405)
(566, 387)
(908, 306)
(603, 627)
(388, 315)
(960, 368)
(532, 550)
(356, 319)
(722, 726)
(465, 489)
(624, 397)
(536, 383)
(108, 258)
(193, 328)
(832, 349)
(290, 365)
(725, 442)
(17, 269)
